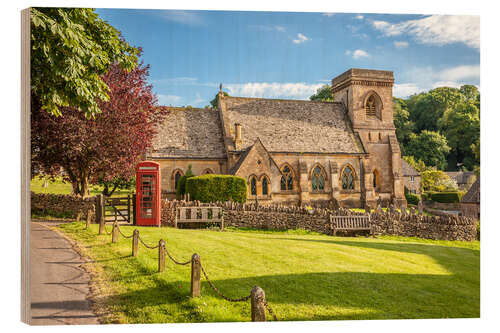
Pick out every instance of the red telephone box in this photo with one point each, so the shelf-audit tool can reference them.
(148, 194)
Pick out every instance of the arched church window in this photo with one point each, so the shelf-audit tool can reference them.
(265, 184)
(318, 179)
(207, 171)
(286, 179)
(376, 180)
(177, 177)
(253, 185)
(348, 178)
(371, 106)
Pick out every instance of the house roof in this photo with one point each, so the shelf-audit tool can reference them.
(473, 194)
(408, 170)
(189, 133)
(292, 125)
(460, 177)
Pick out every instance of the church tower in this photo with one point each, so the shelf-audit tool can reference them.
(367, 97)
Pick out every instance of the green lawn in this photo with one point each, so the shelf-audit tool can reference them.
(305, 276)
(58, 186)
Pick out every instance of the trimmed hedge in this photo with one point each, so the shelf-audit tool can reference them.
(213, 188)
(412, 199)
(446, 197)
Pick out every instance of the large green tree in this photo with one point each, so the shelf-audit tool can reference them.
(71, 48)
(430, 147)
(323, 94)
(461, 126)
(404, 126)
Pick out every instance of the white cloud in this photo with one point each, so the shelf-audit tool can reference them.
(436, 29)
(427, 78)
(262, 27)
(328, 14)
(359, 17)
(183, 17)
(301, 38)
(197, 100)
(405, 89)
(279, 28)
(297, 90)
(168, 99)
(357, 54)
(400, 44)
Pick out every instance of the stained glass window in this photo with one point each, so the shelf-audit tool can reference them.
(286, 179)
(264, 186)
(347, 179)
(318, 179)
(253, 186)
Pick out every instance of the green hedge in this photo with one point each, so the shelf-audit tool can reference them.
(412, 199)
(446, 197)
(213, 188)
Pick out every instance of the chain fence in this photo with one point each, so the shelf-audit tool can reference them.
(210, 283)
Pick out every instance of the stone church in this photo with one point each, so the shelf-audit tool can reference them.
(293, 151)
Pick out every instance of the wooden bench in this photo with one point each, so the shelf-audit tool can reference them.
(350, 223)
(199, 215)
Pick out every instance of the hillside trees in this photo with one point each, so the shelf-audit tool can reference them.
(71, 48)
(430, 147)
(323, 94)
(101, 149)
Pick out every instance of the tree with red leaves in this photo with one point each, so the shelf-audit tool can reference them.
(101, 149)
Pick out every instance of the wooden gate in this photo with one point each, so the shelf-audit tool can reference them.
(118, 209)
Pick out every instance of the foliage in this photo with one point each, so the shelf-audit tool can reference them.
(215, 102)
(411, 198)
(430, 147)
(461, 125)
(418, 165)
(213, 188)
(181, 185)
(404, 126)
(117, 183)
(478, 228)
(323, 94)
(446, 197)
(340, 277)
(477, 171)
(71, 49)
(105, 148)
(437, 180)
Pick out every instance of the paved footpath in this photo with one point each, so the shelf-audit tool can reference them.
(59, 287)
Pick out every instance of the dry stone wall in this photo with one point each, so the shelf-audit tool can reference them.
(62, 205)
(278, 217)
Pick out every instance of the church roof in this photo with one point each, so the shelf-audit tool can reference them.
(473, 194)
(189, 133)
(408, 170)
(292, 125)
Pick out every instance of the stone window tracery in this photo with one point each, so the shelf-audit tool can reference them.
(265, 186)
(318, 179)
(371, 106)
(347, 178)
(207, 171)
(286, 178)
(253, 185)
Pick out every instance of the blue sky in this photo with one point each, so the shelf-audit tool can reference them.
(290, 55)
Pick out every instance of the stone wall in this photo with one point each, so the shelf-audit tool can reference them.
(62, 205)
(292, 217)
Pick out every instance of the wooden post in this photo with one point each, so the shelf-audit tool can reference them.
(161, 256)
(195, 275)
(135, 243)
(257, 301)
(222, 219)
(133, 206)
(128, 208)
(89, 217)
(114, 235)
(79, 216)
(100, 213)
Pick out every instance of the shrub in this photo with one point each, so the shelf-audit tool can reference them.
(181, 185)
(446, 197)
(411, 198)
(213, 188)
(478, 229)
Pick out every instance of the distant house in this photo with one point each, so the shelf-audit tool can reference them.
(411, 178)
(464, 179)
(470, 204)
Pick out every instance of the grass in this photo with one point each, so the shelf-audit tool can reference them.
(306, 276)
(59, 186)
